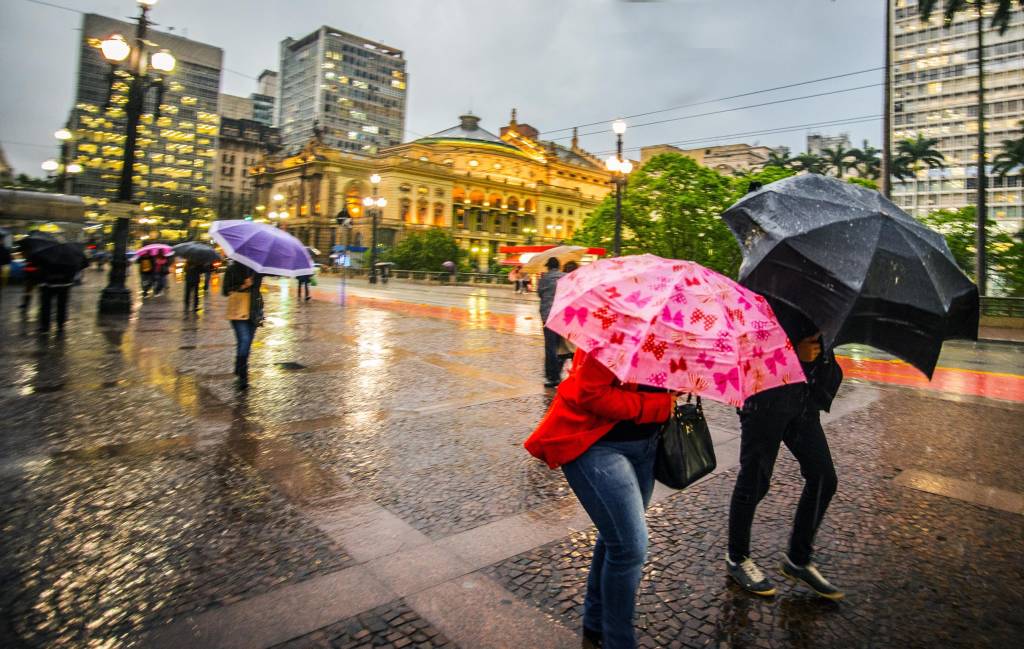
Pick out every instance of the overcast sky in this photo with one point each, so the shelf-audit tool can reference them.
(560, 62)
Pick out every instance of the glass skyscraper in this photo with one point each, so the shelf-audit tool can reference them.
(351, 88)
(177, 148)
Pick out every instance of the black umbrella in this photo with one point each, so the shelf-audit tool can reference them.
(50, 254)
(196, 252)
(861, 269)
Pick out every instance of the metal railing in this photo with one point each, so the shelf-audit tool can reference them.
(1003, 307)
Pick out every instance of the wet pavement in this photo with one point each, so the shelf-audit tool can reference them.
(370, 489)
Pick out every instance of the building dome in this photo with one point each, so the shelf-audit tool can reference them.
(467, 130)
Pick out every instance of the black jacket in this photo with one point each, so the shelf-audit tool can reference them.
(234, 277)
(823, 373)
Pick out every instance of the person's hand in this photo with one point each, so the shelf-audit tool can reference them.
(247, 283)
(809, 348)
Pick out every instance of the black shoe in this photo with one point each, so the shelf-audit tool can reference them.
(810, 577)
(592, 639)
(749, 576)
(551, 384)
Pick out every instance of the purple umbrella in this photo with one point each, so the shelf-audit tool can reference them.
(263, 248)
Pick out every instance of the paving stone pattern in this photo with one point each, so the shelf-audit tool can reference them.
(919, 570)
(391, 626)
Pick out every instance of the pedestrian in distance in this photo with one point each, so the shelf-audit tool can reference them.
(5, 260)
(241, 285)
(30, 279)
(54, 286)
(163, 269)
(147, 270)
(604, 435)
(787, 414)
(546, 291)
(514, 277)
(193, 274)
(303, 281)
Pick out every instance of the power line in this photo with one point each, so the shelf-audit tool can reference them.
(713, 101)
(781, 129)
(38, 146)
(730, 110)
(55, 6)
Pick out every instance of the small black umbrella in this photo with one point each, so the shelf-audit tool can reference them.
(196, 252)
(861, 269)
(50, 254)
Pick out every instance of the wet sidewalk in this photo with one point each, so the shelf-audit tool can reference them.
(370, 489)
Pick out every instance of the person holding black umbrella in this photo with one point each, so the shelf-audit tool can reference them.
(241, 285)
(546, 291)
(193, 273)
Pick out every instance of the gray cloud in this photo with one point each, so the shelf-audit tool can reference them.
(560, 62)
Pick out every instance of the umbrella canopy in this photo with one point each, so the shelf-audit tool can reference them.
(857, 266)
(50, 254)
(313, 251)
(196, 252)
(155, 250)
(448, 265)
(538, 263)
(263, 248)
(675, 325)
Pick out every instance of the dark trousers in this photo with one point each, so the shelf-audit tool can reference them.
(245, 331)
(552, 364)
(192, 294)
(47, 294)
(766, 420)
(303, 283)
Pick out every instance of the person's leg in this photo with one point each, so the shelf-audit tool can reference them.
(551, 365)
(613, 481)
(762, 424)
(45, 300)
(63, 293)
(26, 295)
(806, 441)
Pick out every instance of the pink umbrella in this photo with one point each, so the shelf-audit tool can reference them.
(154, 250)
(675, 325)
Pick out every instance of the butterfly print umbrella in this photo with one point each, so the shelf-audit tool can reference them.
(675, 325)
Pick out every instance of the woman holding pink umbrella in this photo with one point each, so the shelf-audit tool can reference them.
(646, 330)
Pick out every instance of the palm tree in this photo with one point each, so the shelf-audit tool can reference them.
(810, 163)
(1000, 19)
(914, 152)
(868, 164)
(838, 158)
(1011, 157)
(779, 158)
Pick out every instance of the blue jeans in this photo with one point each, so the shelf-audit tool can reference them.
(613, 481)
(245, 331)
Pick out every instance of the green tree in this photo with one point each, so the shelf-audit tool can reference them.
(863, 182)
(868, 164)
(779, 158)
(959, 228)
(24, 182)
(672, 208)
(913, 153)
(1011, 157)
(810, 163)
(839, 159)
(425, 250)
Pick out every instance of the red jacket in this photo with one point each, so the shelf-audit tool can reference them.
(589, 402)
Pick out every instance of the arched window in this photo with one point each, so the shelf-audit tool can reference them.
(513, 203)
(405, 213)
(476, 197)
(439, 219)
(494, 201)
(528, 204)
(422, 211)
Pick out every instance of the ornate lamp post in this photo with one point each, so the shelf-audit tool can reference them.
(374, 206)
(620, 168)
(116, 298)
(279, 213)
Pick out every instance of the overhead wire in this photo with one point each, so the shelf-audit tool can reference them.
(720, 99)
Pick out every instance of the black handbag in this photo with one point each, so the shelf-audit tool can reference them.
(685, 451)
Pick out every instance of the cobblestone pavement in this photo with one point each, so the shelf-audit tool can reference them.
(370, 490)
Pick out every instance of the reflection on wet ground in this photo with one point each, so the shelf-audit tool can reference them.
(376, 460)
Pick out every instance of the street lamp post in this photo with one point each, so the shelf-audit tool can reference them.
(374, 205)
(116, 298)
(620, 168)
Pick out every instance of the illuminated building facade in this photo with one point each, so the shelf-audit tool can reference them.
(935, 82)
(242, 143)
(726, 159)
(351, 88)
(487, 190)
(177, 147)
